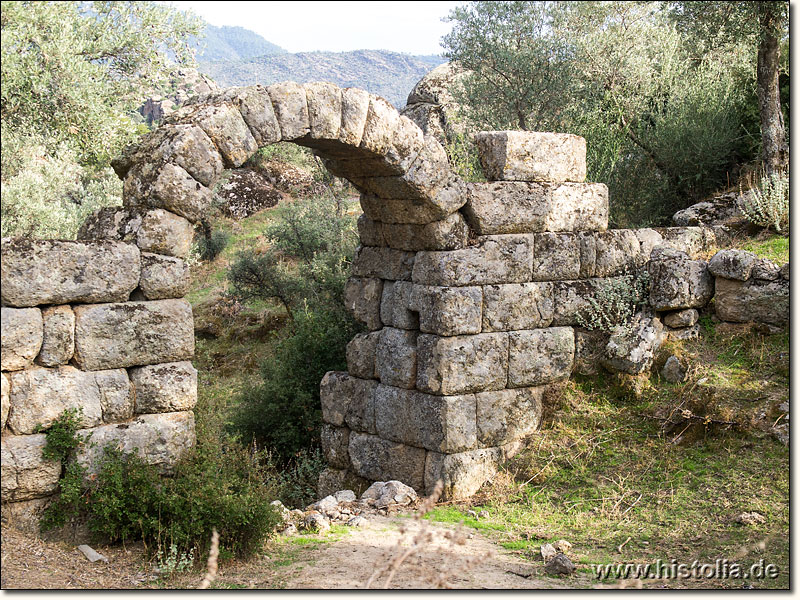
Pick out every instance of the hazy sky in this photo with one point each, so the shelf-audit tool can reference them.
(412, 27)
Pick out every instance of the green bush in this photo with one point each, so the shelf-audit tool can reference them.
(209, 247)
(767, 202)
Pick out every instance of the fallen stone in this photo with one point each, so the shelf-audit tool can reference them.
(110, 336)
(751, 518)
(357, 521)
(631, 349)
(715, 212)
(164, 277)
(547, 551)
(331, 480)
(684, 334)
(316, 522)
(161, 388)
(484, 514)
(60, 272)
(673, 371)
(559, 565)
(345, 496)
(385, 493)
(562, 546)
(58, 342)
(681, 318)
(21, 339)
(765, 270)
(91, 554)
(531, 156)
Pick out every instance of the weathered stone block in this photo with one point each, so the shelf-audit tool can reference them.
(60, 272)
(694, 241)
(362, 298)
(578, 207)
(461, 474)
(348, 400)
(441, 423)
(450, 233)
(170, 387)
(255, 105)
(516, 306)
(382, 120)
(110, 336)
(681, 318)
(159, 440)
(360, 353)
(291, 109)
(632, 351)
(447, 311)
(556, 256)
(497, 259)
(571, 298)
(58, 342)
(590, 347)
(189, 147)
(540, 356)
(396, 357)
(26, 515)
(532, 156)
(21, 339)
(507, 415)
(677, 282)
(111, 223)
(324, 109)
(39, 396)
(765, 270)
(5, 400)
(164, 277)
(732, 264)
(389, 210)
(449, 366)
(370, 232)
(407, 142)
(355, 105)
(178, 192)
(335, 441)
(396, 307)
(381, 460)
(226, 127)
(745, 301)
(385, 263)
(508, 207)
(162, 232)
(617, 251)
(25, 473)
(334, 480)
(116, 395)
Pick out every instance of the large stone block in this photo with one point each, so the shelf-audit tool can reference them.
(324, 109)
(450, 233)
(390, 210)
(187, 145)
(164, 277)
(382, 120)
(348, 400)
(291, 109)
(694, 241)
(255, 105)
(633, 350)
(556, 256)
(382, 460)
(162, 232)
(226, 127)
(355, 106)
(360, 354)
(25, 473)
(116, 395)
(578, 207)
(362, 298)
(170, 387)
(532, 156)
(370, 232)
(496, 259)
(396, 305)
(682, 318)
(571, 299)
(732, 264)
(178, 192)
(516, 306)
(508, 207)
(160, 440)
(616, 252)
(678, 282)
(111, 223)
(441, 423)
(753, 300)
(447, 311)
(110, 336)
(508, 415)
(60, 272)
(461, 474)
(335, 441)
(396, 357)
(385, 263)
(449, 366)
(39, 396)
(540, 356)
(21, 339)
(58, 342)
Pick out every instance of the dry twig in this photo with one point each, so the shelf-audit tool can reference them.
(211, 568)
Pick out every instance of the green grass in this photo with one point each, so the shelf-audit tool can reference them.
(774, 248)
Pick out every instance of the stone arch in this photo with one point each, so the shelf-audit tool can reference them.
(403, 175)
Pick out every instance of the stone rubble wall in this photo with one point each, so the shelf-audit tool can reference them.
(100, 327)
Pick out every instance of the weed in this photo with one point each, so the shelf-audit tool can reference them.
(210, 246)
(614, 302)
(767, 202)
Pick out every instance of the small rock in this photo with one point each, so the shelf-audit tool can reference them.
(316, 522)
(751, 518)
(328, 504)
(563, 546)
(286, 514)
(484, 514)
(358, 522)
(290, 529)
(345, 496)
(548, 552)
(559, 565)
(685, 333)
(91, 554)
(673, 371)
(472, 513)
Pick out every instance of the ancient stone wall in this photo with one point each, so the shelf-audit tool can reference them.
(99, 327)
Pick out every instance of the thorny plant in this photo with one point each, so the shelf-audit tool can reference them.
(416, 542)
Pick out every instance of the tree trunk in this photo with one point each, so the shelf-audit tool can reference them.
(774, 151)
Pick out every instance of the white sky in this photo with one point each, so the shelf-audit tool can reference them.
(411, 27)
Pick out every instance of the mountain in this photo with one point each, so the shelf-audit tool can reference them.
(234, 43)
(382, 72)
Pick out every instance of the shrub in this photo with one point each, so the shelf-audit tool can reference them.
(614, 302)
(297, 481)
(767, 203)
(210, 246)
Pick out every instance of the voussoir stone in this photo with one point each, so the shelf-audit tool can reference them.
(496, 259)
(226, 127)
(396, 357)
(255, 105)
(160, 440)
(291, 109)
(362, 298)
(732, 264)
(21, 339)
(177, 191)
(169, 387)
(25, 473)
(39, 396)
(110, 336)
(58, 343)
(461, 364)
(447, 311)
(164, 277)
(514, 306)
(324, 109)
(540, 356)
(507, 415)
(59, 272)
(380, 460)
(532, 156)
(440, 423)
(677, 282)
(162, 232)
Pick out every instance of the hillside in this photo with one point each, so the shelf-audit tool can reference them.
(388, 74)
(234, 43)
